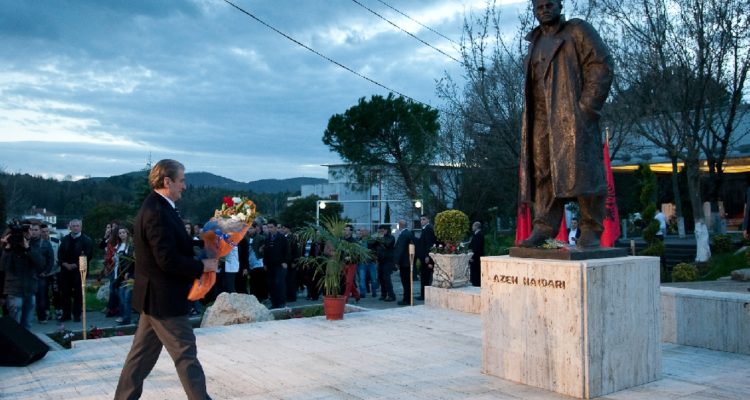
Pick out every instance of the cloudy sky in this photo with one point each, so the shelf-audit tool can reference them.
(95, 88)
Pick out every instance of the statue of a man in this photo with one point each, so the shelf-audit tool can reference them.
(568, 75)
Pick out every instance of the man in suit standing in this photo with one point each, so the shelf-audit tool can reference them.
(426, 241)
(165, 269)
(476, 245)
(277, 258)
(401, 256)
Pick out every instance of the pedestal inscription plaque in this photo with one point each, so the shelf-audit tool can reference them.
(581, 328)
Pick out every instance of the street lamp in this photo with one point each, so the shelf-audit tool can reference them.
(417, 204)
(320, 205)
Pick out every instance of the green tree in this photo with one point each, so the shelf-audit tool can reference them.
(386, 130)
(102, 213)
(654, 246)
(3, 215)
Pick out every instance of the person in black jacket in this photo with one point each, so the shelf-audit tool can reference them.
(22, 265)
(476, 245)
(71, 248)
(426, 241)
(401, 256)
(276, 259)
(384, 245)
(165, 269)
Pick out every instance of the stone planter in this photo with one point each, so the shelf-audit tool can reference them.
(451, 270)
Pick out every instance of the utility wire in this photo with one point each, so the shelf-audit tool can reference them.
(324, 56)
(419, 23)
(407, 32)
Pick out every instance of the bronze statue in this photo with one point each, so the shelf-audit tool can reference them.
(568, 75)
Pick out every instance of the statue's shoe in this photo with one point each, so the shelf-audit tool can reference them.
(535, 240)
(588, 239)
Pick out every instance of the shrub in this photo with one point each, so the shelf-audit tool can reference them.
(721, 244)
(451, 226)
(684, 272)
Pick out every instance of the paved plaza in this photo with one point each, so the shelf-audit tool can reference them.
(399, 353)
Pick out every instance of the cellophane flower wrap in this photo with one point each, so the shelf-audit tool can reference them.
(220, 235)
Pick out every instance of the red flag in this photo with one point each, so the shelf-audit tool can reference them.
(523, 223)
(611, 217)
(562, 235)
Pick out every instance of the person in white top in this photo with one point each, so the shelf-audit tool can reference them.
(231, 268)
(662, 225)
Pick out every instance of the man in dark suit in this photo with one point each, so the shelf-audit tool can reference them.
(164, 273)
(476, 245)
(426, 241)
(401, 257)
(277, 258)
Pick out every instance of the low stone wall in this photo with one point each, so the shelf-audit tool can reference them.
(708, 319)
(465, 299)
(698, 318)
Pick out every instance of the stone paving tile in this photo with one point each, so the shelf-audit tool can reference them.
(401, 353)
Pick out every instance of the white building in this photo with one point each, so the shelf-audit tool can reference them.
(41, 214)
(366, 205)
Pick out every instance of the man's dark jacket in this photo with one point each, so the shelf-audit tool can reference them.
(426, 241)
(401, 252)
(164, 264)
(71, 249)
(277, 251)
(476, 245)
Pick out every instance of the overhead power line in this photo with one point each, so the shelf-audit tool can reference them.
(419, 23)
(406, 32)
(242, 10)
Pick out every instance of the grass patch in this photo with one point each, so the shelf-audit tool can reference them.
(298, 312)
(723, 264)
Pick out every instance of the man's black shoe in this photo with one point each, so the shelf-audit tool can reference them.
(420, 298)
(403, 303)
(76, 319)
(389, 299)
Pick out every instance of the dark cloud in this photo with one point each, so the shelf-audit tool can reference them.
(199, 81)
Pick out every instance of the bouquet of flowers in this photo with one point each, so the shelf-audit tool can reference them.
(220, 235)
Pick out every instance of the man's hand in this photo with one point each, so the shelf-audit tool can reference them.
(69, 266)
(744, 234)
(210, 264)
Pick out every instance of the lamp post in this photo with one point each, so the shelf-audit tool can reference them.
(82, 269)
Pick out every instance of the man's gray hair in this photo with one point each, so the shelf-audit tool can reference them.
(164, 169)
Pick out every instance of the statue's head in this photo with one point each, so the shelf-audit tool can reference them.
(547, 12)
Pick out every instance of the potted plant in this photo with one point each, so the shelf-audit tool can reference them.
(451, 257)
(336, 255)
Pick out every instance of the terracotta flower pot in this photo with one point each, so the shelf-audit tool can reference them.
(333, 307)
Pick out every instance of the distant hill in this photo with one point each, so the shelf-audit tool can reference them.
(282, 185)
(207, 179)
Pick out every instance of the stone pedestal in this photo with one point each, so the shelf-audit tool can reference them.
(451, 270)
(581, 328)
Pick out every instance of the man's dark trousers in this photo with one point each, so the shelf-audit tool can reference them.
(405, 272)
(277, 286)
(176, 334)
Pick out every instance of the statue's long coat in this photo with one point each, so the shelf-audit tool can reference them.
(577, 81)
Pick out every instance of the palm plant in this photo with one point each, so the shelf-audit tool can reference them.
(336, 254)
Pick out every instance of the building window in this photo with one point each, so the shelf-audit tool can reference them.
(374, 201)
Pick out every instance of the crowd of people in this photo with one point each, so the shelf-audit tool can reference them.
(267, 263)
(41, 273)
